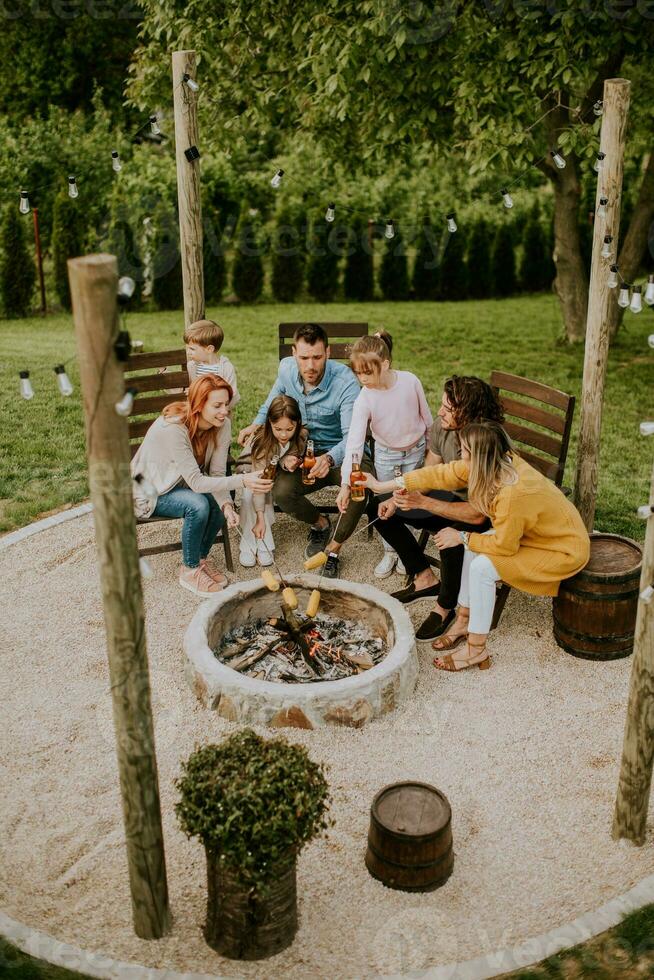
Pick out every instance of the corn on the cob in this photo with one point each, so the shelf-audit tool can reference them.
(315, 561)
(290, 598)
(313, 604)
(269, 580)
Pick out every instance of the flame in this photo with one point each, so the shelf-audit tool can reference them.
(314, 647)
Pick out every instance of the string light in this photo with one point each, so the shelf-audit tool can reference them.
(601, 210)
(623, 296)
(147, 488)
(451, 223)
(506, 197)
(558, 159)
(277, 179)
(607, 250)
(598, 107)
(145, 568)
(115, 161)
(636, 304)
(330, 213)
(24, 205)
(599, 162)
(65, 386)
(26, 389)
(647, 594)
(647, 428)
(154, 126)
(390, 229)
(192, 84)
(126, 287)
(612, 281)
(72, 187)
(645, 512)
(126, 403)
(649, 291)
(650, 340)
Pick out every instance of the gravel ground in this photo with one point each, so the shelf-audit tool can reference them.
(527, 754)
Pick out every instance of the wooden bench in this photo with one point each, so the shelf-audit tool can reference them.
(152, 393)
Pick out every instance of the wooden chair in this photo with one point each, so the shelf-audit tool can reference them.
(539, 421)
(153, 393)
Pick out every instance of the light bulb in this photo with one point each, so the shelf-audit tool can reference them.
(506, 197)
(192, 84)
(650, 340)
(623, 295)
(330, 213)
(647, 594)
(26, 389)
(115, 161)
(612, 281)
(24, 203)
(72, 187)
(65, 387)
(154, 126)
(649, 291)
(598, 107)
(126, 403)
(145, 568)
(645, 512)
(647, 428)
(126, 287)
(601, 210)
(451, 223)
(606, 247)
(558, 159)
(277, 179)
(636, 304)
(390, 229)
(599, 162)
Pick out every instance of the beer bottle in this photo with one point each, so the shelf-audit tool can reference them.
(357, 480)
(270, 469)
(308, 463)
(397, 471)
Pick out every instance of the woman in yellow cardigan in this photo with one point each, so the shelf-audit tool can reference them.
(537, 538)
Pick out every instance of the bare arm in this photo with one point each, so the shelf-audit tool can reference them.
(432, 459)
(459, 510)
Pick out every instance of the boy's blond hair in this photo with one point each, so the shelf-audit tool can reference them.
(204, 333)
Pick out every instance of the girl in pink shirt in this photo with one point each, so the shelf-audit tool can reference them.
(393, 404)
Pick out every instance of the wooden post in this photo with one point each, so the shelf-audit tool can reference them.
(188, 186)
(39, 259)
(600, 297)
(93, 287)
(632, 801)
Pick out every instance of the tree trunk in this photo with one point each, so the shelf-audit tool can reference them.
(571, 281)
(635, 241)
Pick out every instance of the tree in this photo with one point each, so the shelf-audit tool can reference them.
(393, 271)
(514, 82)
(358, 282)
(247, 271)
(453, 279)
(426, 263)
(503, 262)
(213, 258)
(322, 271)
(480, 276)
(68, 235)
(167, 285)
(17, 272)
(122, 242)
(288, 258)
(535, 267)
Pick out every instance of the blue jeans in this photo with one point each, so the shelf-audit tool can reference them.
(203, 518)
(387, 459)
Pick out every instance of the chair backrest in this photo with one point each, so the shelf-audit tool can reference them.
(154, 390)
(548, 413)
(345, 332)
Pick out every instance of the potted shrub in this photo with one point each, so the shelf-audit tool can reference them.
(253, 803)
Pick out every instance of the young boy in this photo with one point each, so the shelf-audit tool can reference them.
(203, 340)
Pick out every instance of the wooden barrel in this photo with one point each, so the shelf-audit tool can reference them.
(410, 837)
(595, 610)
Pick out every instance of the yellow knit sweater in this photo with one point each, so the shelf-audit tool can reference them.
(538, 537)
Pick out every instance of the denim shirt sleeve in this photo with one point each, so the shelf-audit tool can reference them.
(348, 396)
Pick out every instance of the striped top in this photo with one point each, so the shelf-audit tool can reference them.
(223, 368)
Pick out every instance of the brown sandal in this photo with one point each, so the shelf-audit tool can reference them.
(481, 659)
(449, 642)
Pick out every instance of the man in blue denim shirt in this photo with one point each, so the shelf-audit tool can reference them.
(326, 391)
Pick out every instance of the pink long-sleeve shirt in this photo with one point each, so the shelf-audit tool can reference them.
(399, 417)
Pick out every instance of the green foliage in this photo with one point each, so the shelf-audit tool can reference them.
(453, 279)
(17, 271)
(122, 241)
(167, 286)
(393, 271)
(536, 268)
(213, 258)
(503, 262)
(322, 271)
(358, 282)
(480, 277)
(252, 801)
(426, 271)
(68, 238)
(288, 259)
(247, 271)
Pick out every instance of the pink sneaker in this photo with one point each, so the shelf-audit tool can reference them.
(197, 581)
(213, 571)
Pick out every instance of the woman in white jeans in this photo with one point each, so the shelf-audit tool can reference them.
(537, 538)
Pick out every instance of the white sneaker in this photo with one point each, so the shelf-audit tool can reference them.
(264, 555)
(386, 565)
(247, 559)
(399, 568)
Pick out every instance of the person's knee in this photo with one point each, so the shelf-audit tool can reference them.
(198, 506)
(482, 569)
(285, 491)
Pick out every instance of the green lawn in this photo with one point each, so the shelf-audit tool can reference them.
(42, 441)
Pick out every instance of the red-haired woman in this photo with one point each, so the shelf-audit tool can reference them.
(184, 458)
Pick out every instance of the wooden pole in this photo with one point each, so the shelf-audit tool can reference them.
(632, 801)
(93, 287)
(600, 297)
(39, 259)
(188, 186)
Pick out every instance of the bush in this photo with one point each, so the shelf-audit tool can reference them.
(535, 269)
(393, 272)
(453, 279)
(167, 285)
(358, 282)
(480, 279)
(287, 258)
(17, 272)
(503, 262)
(426, 271)
(68, 235)
(213, 258)
(121, 241)
(322, 271)
(247, 271)
(252, 801)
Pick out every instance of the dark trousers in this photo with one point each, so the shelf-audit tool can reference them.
(290, 495)
(396, 532)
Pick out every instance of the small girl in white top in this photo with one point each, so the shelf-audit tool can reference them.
(393, 404)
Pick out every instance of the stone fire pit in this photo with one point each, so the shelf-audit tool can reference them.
(351, 701)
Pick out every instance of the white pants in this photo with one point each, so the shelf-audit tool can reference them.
(248, 517)
(387, 459)
(477, 591)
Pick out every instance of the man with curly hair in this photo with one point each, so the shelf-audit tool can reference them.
(465, 400)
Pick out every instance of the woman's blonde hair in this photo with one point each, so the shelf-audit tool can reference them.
(368, 353)
(491, 462)
(189, 412)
